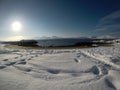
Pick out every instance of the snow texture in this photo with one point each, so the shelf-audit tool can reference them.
(68, 69)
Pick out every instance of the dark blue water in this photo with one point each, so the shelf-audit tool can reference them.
(61, 42)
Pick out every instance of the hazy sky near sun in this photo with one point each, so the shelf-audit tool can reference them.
(63, 18)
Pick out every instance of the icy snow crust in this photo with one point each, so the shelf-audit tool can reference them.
(67, 69)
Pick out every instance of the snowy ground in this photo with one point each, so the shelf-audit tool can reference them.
(68, 69)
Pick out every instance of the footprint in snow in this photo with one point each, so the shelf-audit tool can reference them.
(78, 55)
(5, 60)
(16, 57)
(21, 62)
(9, 63)
(32, 57)
(2, 66)
(36, 55)
(76, 60)
(95, 70)
(29, 59)
(110, 84)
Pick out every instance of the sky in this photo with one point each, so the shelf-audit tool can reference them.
(61, 18)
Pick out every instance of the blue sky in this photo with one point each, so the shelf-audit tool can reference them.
(63, 18)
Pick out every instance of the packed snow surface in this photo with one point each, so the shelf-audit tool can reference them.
(67, 69)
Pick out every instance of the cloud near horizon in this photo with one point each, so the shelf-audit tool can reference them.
(13, 38)
(110, 23)
(112, 16)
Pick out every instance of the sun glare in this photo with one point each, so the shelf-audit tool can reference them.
(16, 26)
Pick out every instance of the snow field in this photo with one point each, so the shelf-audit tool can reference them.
(67, 69)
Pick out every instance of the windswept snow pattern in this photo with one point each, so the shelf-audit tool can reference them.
(67, 69)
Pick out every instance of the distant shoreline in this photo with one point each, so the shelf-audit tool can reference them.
(51, 47)
(33, 44)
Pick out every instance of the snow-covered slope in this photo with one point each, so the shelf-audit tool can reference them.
(75, 69)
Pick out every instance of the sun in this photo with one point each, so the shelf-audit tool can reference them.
(16, 26)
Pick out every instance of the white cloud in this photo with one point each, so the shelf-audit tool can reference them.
(109, 22)
(112, 16)
(101, 29)
(105, 37)
(14, 38)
